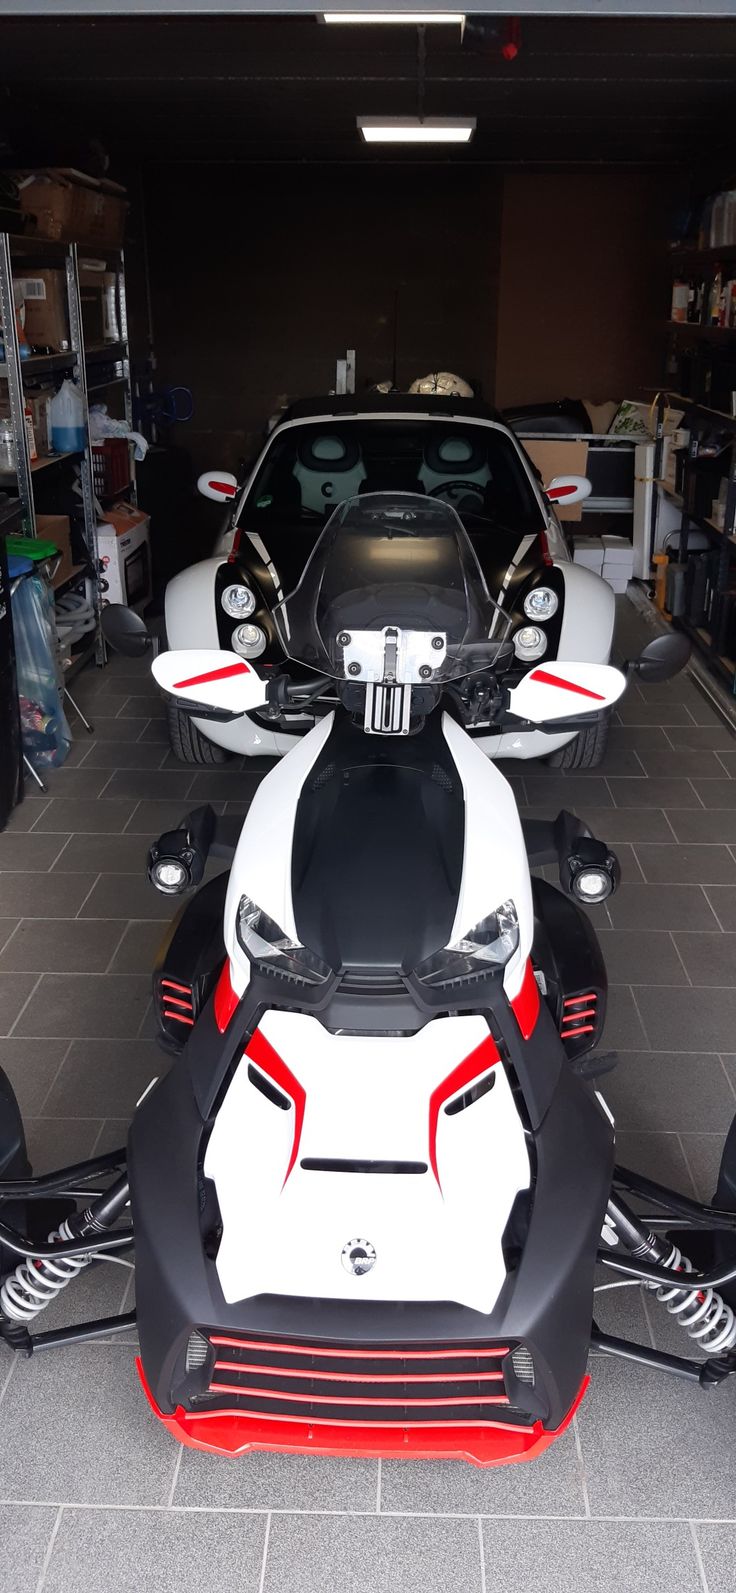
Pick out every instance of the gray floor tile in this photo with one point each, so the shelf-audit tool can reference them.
(676, 1091)
(277, 1482)
(641, 957)
(117, 754)
(69, 783)
(29, 853)
(615, 825)
(682, 761)
(636, 736)
(716, 793)
(155, 730)
(23, 817)
(150, 784)
(101, 854)
(14, 992)
(359, 1554)
(152, 818)
(222, 785)
(669, 793)
(55, 1142)
(150, 702)
(631, 1473)
(128, 896)
(728, 759)
(659, 1155)
(620, 1311)
(99, 1291)
(715, 824)
(718, 1550)
(44, 895)
(710, 957)
(62, 815)
(106, 1079)
(553, 791)
(548, 1486)
(58, 1426)
(722, 899)
(623, 1030)
(640, 906)
(717, 736)
(71, 946)
(25, 1531)
(119, 1551)
(703, 1152)
(8, 927)
(112, 1136)
(109, 728)
(633, 710)
(84, 1006)
(687, 1020)
(31, 1066)
(136, 953)
(591, 1557)
(687, 865)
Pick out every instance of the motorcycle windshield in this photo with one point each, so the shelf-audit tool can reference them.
(392, 593)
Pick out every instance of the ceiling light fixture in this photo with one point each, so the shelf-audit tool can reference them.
(413, 18)
(416, 130)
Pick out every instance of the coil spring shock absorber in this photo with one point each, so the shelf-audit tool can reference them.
(37, 1280)
(703, 1313)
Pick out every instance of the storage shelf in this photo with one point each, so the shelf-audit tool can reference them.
(703, 641)
(693, 406)
(41, 464)
(100, 387)
(697, 258)
(43, 364)
(712, 334)
(102, 352)
(75, 574)
(697, 520)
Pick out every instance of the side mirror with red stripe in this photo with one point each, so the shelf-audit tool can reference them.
(567, 490)
(562, 691)
(219, 485)
(211, 680)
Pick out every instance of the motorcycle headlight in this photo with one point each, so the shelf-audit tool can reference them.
(248, 640)
(541, 603)
(264, 941)
(238, 601)
(490, 943)
(529, 643)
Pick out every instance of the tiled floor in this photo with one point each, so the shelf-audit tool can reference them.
(642, 1494)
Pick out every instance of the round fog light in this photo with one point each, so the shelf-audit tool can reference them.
(169, 875)
(529, 643)
(238, 601)
(541, 603)
(592, 885)
(249, 641)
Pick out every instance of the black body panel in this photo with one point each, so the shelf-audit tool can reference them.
(566, 948)
(189, 958)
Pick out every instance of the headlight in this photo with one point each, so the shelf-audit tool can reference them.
(529, 643)
(491, 943)
(541, 603)
(264, 941)
(238, 601)
(248, 640)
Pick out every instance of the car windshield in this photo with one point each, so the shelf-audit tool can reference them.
(392, 593)
(309, 469)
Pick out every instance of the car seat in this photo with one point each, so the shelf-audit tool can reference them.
(329, 468)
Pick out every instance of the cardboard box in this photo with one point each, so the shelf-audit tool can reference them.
(57, 528)
(589, 551)
(617, 583)
(125, 557)
(68, 204)
(99, 212)
(617, 550)
(45, 316)
(97, 292)
(559, 457)
(48, 197)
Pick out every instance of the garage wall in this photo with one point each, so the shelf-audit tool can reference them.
(260, 279)
(583, 292)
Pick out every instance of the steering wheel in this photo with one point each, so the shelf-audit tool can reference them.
(455, 488)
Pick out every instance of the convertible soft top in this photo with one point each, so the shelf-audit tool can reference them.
(390, 404)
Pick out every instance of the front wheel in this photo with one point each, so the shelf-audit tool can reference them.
(187, 742)
(587, 750)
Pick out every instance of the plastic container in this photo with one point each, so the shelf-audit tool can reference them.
(66, 414)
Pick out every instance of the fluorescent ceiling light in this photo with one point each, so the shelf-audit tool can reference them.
(413, 130)
(415, 18)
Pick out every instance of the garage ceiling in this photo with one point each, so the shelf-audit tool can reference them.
(254, 89)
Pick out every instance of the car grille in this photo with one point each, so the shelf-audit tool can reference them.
(358, 1385)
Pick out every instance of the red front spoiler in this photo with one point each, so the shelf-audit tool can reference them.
(237, 1432)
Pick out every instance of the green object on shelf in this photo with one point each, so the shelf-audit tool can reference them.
(34, 548)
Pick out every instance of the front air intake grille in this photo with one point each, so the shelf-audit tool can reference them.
(367, 1386)
(376, 982)
(523, 1364)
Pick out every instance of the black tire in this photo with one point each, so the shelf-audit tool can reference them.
(586, 751)
(187, 742)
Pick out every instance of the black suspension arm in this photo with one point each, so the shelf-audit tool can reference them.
(51, 1183)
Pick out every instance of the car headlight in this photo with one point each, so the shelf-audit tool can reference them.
(490, 944)
(529, 643)
(248, 640)
(541, 603)
(264, 941)
(238, 601)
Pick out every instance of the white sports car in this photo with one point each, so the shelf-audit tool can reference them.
(326, 450)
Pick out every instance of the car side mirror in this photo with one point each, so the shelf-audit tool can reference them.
(219, 485)
(125, 630)
(662, 658)
(568, 489)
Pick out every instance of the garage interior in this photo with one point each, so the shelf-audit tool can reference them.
(564, 254)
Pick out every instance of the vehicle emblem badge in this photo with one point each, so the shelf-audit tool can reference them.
(358, 1256)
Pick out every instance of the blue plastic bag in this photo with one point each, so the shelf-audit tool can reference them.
(44, 729)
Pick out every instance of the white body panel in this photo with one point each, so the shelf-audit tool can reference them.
(367, 1097)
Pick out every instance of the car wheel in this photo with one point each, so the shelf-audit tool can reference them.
(586, 751)
(187, 742)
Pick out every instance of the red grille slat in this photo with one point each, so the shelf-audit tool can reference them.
(364, 1377)
(574, 1001)
(175, 1001)
(326, 1399)
(178, 1017)
(572, 1017)
(338, 1352)
(171, 984)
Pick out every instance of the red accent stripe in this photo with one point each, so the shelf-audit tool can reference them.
(170, 984)
(222, 1340)
(262, 1053)
(484, 1057)
(573, 1001)
(176, 1017)
(212, 674)
(573, 1017)
(566, 685)
(569, 1034)
(556, 493)
(174, 1001)
(237, 1432)
(223, 486)
(525, 1005)
(225, 999)
(361, 1377)
(335, 1399)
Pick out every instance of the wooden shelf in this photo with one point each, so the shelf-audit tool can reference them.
(41, 464)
